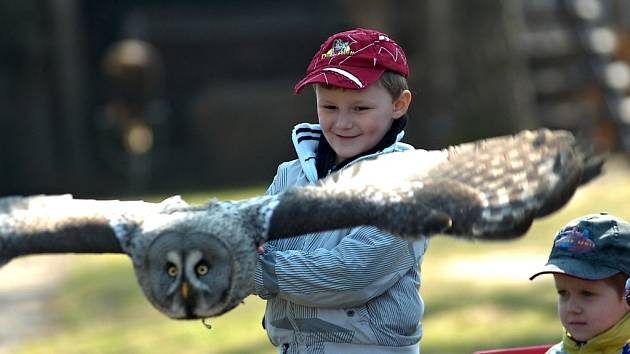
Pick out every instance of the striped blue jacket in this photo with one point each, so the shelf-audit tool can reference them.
(344, 291)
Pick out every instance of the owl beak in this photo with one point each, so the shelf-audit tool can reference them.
(185, 290)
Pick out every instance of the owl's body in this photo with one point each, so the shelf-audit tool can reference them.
(199, 261)
(191, 245)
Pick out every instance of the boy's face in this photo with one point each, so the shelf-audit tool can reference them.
(354, 121)
(588, 307)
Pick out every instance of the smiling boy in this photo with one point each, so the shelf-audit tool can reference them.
(354, 121)
(353, 290)
(590, 263)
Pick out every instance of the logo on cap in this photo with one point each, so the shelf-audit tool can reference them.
(575, 240)
(339, 47)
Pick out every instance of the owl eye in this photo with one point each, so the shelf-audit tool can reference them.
(202, 268)
(171, 270)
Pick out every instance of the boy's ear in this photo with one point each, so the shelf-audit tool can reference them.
(401, 104)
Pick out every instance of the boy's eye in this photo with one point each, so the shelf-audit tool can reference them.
(562, 293)
(587, 293)
(361, 108)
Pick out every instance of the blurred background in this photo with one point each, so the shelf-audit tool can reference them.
(143, 96)
(154, 97)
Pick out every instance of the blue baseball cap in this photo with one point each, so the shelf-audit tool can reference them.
(592, 247)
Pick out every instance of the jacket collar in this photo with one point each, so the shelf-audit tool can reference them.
(609, 342)
(305, 137)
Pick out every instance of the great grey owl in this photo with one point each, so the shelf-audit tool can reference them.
(199, 261)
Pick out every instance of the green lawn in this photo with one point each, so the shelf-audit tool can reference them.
(477, 295)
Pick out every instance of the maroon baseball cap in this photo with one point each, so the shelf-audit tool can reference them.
(354, 59)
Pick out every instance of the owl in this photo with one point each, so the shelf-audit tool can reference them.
(198, 261)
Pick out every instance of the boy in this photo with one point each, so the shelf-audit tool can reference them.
(354, 290)
(590, 263)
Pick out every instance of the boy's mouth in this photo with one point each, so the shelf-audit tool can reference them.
(577, 323)
(346, 136)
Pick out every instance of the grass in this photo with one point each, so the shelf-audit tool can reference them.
(477, 295)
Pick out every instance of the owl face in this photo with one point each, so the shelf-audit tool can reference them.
(188, 275)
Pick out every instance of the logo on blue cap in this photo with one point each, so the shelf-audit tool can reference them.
(575, 239)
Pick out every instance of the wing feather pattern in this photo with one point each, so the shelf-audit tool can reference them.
(61, 224)
(487, 189)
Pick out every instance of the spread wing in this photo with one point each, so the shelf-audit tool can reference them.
(488, 189)
(61, 224)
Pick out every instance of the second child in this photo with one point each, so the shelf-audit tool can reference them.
(590, 263)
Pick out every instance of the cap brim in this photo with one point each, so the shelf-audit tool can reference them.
(575, 268)
(353, 78)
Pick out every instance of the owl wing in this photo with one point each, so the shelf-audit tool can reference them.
(488, 189)
(61, 224)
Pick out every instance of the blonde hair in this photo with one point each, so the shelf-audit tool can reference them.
(394, 83)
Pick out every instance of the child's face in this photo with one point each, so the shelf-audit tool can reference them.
(354, 121)
(588, 307)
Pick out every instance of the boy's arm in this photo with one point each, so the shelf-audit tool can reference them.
(365, 264)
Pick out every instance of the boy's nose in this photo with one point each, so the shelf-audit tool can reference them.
(344, 120)
(574, 306)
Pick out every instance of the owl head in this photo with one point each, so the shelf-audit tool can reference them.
(196, 262)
